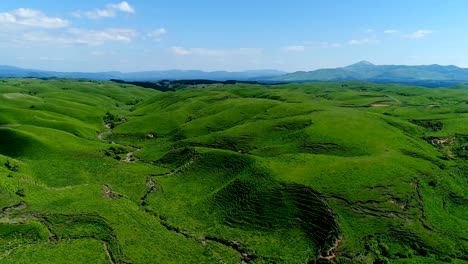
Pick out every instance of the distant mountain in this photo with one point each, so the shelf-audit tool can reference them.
(194, 74)
(253, 75)
(366, 71)
(424, 75)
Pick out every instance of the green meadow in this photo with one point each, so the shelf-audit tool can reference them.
(103, 172)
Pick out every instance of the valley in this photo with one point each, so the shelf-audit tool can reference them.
(336, 172)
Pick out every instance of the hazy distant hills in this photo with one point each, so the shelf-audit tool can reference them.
(8, 71)
(366, 71)
(428, 75)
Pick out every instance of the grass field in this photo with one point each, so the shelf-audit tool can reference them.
(100, 172)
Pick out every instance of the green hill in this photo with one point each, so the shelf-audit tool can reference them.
(101, 172)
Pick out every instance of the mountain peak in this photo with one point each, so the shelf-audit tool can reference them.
(362, 63)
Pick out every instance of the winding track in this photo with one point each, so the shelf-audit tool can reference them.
(129, 158)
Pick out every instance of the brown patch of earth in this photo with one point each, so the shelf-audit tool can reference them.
(108, 193)
(379, 105)
(330, 253)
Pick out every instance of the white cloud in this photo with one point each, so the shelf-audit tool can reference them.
(123, 7)
(180, 51)
(75, 36)
(50, 59)
(95, 14)
(361, 41)
(294, 48)
(322, 45)
(214, 52)
(97, 53)
(111, 10)
(327, 45)
(391, 31)
(30, 18)
(97, 37)
(419, 34)
(156, 34)
(102, 53)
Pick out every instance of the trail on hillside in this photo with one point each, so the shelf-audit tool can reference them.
(9, 126)
(108, 254)
(152, 185)
(394, 99)
(129, 157)
(102, 134)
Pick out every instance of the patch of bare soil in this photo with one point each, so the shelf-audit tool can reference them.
(129, 158)
(106, 249)
(331, 252)
(108, 193)
(396, 202)
(443, 141)
(18, 206)
(379, 105)
(102, 135)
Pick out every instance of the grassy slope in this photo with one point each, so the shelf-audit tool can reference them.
(223, 173)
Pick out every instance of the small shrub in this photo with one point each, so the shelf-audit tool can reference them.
(11, 167)
(20, 193)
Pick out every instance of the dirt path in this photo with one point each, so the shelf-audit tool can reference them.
(18, 206)
(129, 158)
(152, 185)
(394, 99)
(331, 252)
(379, 105)
(102, 134)
(9, 126)
(106, 249)
(184, 166)
(178, 169)
(68, 187)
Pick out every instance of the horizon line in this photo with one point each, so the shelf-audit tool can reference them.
(229, 71)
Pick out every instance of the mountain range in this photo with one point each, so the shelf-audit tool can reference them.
(429, 75)
(15, 72)
(366, 71)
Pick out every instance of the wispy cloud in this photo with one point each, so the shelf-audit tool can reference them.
(362, 41)
(422, 33)
(181, 51)
(75, 36)
(295, 48)
(156, 34)
(391, 31)
(97, 37)
(44, 58)
(214, 52)
(322, 45)
(418, 34)
(327, 45)
(26, 26)
(111, 10)
(25, 17)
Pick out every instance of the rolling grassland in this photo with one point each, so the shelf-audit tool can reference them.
(101, 172)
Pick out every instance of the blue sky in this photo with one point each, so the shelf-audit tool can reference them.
(138, 35)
